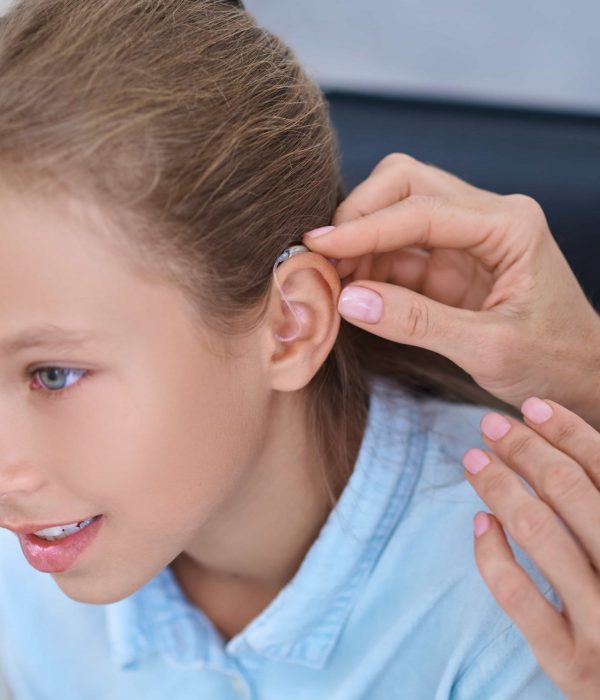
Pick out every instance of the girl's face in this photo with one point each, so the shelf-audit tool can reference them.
(153, 430)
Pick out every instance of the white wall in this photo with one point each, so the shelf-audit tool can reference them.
(530, 52)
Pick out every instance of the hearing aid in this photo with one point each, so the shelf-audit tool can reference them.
(286, 255)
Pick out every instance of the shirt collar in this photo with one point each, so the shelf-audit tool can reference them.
(303, 622)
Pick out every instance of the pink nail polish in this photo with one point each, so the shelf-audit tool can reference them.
(481, 523)
(475, 460)
(319, 231)
(494, 426)
(361, 304)
(536, 410)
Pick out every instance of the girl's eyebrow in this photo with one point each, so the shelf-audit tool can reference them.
(48, 335)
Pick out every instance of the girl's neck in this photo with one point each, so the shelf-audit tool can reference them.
(241, 559)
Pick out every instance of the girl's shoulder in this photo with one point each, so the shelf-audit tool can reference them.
(437, 519)
(426, 588)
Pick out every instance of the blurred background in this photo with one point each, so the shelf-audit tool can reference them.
(505, 95)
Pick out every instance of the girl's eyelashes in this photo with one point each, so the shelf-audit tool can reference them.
(55, 374)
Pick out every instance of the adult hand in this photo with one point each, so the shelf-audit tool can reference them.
(470, 274)
(559, 455)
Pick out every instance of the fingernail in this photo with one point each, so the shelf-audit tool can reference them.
(475, 460)
(333, 261)
(481, 523)
(494, 426)
(319, 231)
(361, 304)
(536, 410)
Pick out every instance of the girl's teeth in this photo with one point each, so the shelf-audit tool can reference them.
(58, 533)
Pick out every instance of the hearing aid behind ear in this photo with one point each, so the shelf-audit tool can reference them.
(288, 253)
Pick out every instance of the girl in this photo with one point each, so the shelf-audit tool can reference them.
(245, 507)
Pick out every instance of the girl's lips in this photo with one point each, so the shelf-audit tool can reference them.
(58, 555)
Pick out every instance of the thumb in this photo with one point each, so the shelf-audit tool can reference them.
(405, 316)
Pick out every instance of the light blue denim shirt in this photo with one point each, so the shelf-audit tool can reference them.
(388, 602)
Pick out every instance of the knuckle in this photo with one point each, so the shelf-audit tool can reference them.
(562, 480)
(519, 447)
(421, 200)
(417, 321)
(509, 591)
(343, 208)
(498, 481)
(396, 159)
(349, 209)
(423, 205)
(376, 234)
(581, 669)
(592, 633)
(530, 523)
(593, 466)
(525, 205)
(564, 433)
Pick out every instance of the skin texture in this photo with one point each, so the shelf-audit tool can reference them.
(192, 458)
(472, 275)
(558, 454)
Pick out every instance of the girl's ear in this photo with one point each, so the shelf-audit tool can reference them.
(302, 321)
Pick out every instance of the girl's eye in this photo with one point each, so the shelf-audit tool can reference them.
(52, 379)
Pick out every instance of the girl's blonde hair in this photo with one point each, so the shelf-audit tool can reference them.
(201, 136)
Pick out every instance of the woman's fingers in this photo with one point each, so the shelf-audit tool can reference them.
(569, 656)
(490, 254)
(430, 222)
(567, 431)
(561, 481)
(542, 625)
(394, 178)
(538, 531)
(406, 267)
(557, 454)
(405, 316)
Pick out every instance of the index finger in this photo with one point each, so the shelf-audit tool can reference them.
(421, 220)
(394, 178)
(567, 431)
